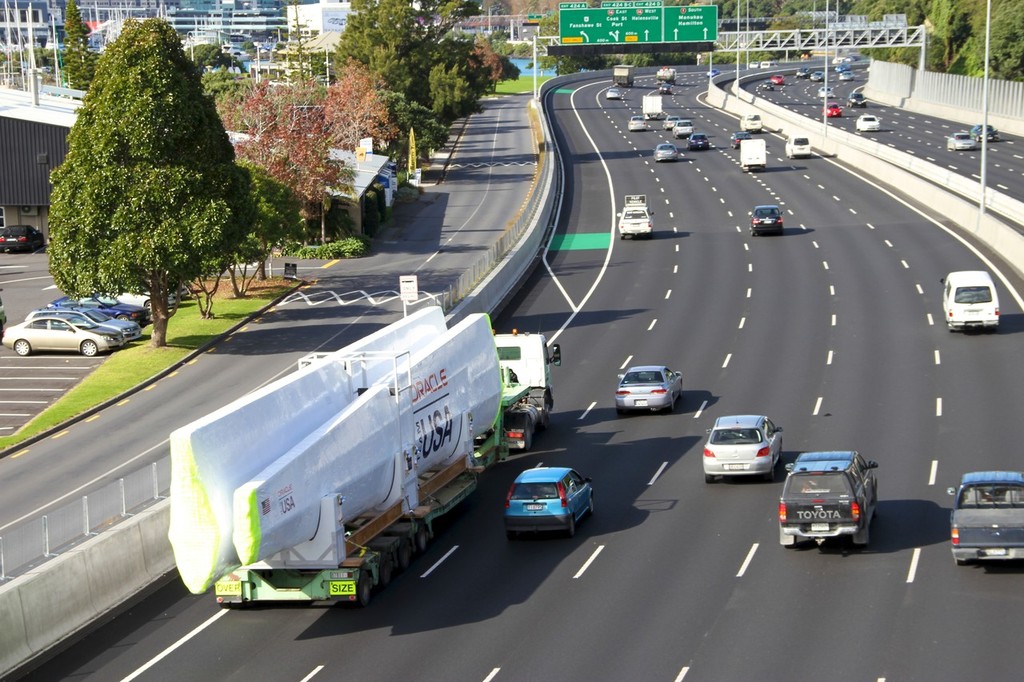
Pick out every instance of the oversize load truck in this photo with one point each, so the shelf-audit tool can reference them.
(526, 364)
(666, 74)
(418, 416)
(622, 75)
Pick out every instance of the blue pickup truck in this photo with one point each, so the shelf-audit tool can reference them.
(987, 522)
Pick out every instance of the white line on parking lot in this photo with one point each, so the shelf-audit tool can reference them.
(728, 357)
(913, 564)
(934, 470)
(440, 561)
(625, 364)
(700, 410)
(589, 561)
(817, 406)
(653, 322)
(587, 411)
(938, 407)
(682, 673)
(657, 473)
(746, 562)
(938, 361)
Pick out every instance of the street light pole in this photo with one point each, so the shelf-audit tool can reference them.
(984, 114)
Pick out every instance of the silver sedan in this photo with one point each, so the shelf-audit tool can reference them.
(648, 387)
(960, 142)
(666, 151)
(742, 445)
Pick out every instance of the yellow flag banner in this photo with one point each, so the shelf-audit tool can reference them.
(412, 151)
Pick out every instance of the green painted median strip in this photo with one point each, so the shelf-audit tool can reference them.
(565, 91)
(581, 242)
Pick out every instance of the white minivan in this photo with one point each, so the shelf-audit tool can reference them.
(969, 300)
(798, 146)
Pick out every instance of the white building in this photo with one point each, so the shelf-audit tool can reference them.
(322, 17)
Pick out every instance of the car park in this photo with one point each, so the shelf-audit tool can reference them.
(51, 333)
(648, 387)
(666, 151)
(21, 238)
(856, 99)
(105, 304)
(682, 128)
(128, 331)
(737, 137)
(846, 76)
(828, 495)
(798, 146)
(742, 445)
(637, 124)
(825, 93)
(778, 79)
(992, 133)
(867, 123)
(960, 142)
(766, 218)
(547, 499)
(751, 123)
(664, 89)
(833, 110)
(613, 93)
(670, 122)
(817, 77)
(698, 142)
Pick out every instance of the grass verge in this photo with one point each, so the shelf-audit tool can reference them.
(138, 361)
(519, 85)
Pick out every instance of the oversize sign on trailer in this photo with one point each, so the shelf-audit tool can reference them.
(636, 21)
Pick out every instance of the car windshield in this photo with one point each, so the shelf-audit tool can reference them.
(79, 323)
(534, 491)
(801, 141)
(698, 136)
(766, 213)
(645, 377)
(634, 215)
(981, 496)
(818, 484)
(973, 295)
(96, 316)
(106, 300)
(665, 148)
(735, 437)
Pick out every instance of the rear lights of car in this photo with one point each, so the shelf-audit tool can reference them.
(561, 495)
(782, 512)
(514, 435)
(855, 510)
(508, 498)
(708, 453)
(659, 391)
(954, 536)
(763, 452)
(622, 391)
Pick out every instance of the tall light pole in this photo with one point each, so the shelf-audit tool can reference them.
(984, 113)
(824, 85)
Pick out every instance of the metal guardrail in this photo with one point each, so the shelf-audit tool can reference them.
(26, 546)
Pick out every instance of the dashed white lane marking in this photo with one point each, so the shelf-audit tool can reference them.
(589, 561)
(746, 562)
(913, 564)
(817, 407)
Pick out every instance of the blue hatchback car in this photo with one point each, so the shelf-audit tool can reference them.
(547, 498)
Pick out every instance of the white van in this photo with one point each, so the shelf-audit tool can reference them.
(751, 123)
(969, 300)
(769, 64)
(798, 146)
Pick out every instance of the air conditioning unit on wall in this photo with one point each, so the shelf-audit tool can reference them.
(29, 210)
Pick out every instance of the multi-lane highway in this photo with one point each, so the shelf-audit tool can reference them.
(833, 329)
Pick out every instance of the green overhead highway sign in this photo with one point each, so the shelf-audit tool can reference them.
(636, 21)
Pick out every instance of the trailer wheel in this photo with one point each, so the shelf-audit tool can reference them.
(404, 554)
(387, 569)
(364, 589)
(422, 539)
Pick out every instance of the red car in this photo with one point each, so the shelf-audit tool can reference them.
(777, 79)
(833, 110)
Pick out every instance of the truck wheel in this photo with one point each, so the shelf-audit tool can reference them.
(364, 589)
(422, 539)
(770, 475)
(404, 555)
(708, 478)
(527, 441)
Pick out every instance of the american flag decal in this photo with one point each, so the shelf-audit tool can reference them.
(265, 506)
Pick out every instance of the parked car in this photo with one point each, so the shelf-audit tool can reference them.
(992, 133)
(866, 123)
(143, 300)
(742, 445)
(666, 151)
(648, 387)
(778, 79)
(833, 110)
(960, 142)
(637, 124)
(613, 93)
(766, 218)
(21, 238)
(698, 141)
(737, 137)
(105, 304)
(547, 498)
(128, 331)
(56, 334)
(682, 128)
(856, 99)
(828, 495)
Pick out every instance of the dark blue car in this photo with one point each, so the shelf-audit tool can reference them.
(107, 305)
(547, 498)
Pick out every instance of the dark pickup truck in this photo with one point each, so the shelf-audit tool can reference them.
(827, 495)
(988, 517)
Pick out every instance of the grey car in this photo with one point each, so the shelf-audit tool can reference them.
(129, 331)
(742, 445)
(55, 333)
(637, 124)
(960, 142)
(666, 151)
(682, 128)
(648, 387)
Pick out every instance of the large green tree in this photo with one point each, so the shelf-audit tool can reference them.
(149, 191)
(79, 61)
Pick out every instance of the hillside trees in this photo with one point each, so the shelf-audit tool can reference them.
(149, 191)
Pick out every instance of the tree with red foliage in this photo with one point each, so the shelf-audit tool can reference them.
(356, 109)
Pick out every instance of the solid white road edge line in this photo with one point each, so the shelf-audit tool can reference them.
(163, 654)
(440, 561)
(589, 561)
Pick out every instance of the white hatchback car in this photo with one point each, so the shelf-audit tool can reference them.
(960, 142)
(868, 123)
(637, 124)
(742, 445)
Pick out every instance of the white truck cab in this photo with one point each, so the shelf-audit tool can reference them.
(969, 300)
